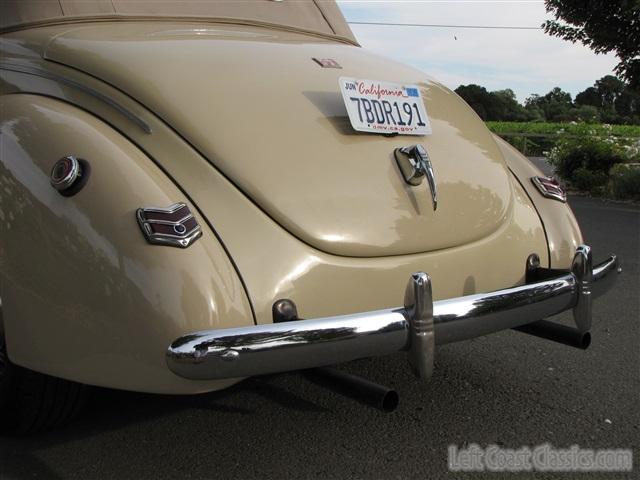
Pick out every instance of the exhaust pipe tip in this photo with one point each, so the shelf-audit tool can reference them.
(585, 341)
(357, 388)
(390, 401)
(557, 333)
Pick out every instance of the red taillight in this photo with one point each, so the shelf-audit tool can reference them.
(550, 188)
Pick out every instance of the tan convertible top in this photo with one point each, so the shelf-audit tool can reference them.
(321, 16)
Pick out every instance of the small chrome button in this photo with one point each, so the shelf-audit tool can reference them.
(65, 173)
(69, 175)
(180, 229)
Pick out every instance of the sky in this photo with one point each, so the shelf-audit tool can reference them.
(526, 61)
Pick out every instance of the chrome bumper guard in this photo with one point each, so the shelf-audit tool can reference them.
(416, 328)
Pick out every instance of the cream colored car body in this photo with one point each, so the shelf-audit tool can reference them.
(293, 203)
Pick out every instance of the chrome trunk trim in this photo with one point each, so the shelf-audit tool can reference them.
(417, 327)
(29, 70)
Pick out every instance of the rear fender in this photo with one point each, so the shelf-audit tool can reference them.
(560, 225)
(84, 296)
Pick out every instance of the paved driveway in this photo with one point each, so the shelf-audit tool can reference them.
(507, 389)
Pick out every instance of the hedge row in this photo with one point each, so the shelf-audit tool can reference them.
(599, 162)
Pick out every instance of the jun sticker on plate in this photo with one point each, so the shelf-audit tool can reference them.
(383, 107)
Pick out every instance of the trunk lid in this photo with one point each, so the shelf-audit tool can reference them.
(257, 106)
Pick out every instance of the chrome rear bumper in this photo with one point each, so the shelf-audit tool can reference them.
(416, 327)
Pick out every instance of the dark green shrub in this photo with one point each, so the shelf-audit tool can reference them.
(624, 181)
(584, 161)
(590, 153)
(588, 180)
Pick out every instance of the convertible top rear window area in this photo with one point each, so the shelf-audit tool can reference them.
(316, 16)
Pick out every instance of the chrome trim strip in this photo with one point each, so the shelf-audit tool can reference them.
(184, 239)
(417, 328)
(168, 222)
(79, 86)
(174, 207)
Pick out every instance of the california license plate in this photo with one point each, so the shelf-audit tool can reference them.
(383, 107)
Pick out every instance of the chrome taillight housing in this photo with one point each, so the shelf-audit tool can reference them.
(550, 188)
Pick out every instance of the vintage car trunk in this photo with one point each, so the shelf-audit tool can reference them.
(257, 106)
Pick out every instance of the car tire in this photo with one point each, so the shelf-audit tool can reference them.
(31, 402)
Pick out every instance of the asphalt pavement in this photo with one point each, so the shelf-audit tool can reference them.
(507, 389)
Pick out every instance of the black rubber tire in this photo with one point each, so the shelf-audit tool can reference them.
(31, 402)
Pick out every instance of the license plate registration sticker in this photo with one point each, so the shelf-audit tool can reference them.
(383, 107)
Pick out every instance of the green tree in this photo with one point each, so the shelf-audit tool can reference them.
(478, 98)
(627, 107)
(585, 114)
(616, 101)
(498, 105)
(555, 105)
(610, 89)
(589, 97)
(508, 107)
(604, 26)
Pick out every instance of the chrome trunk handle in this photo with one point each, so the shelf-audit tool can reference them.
(415, 164)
